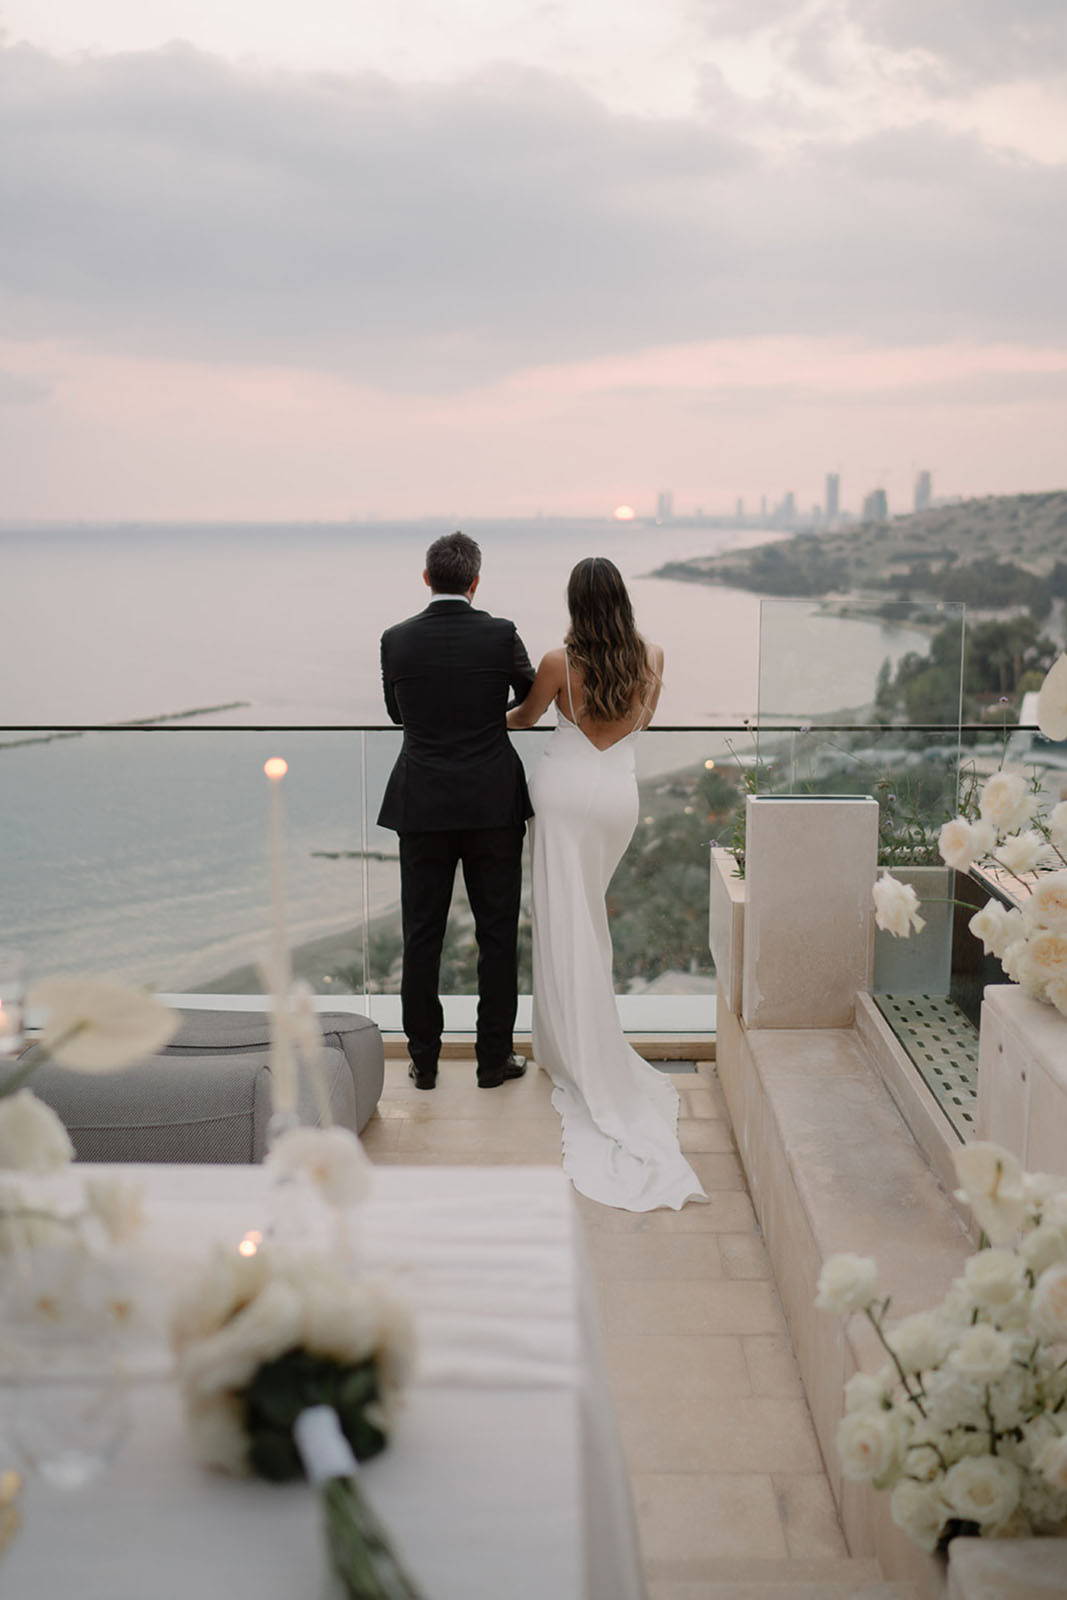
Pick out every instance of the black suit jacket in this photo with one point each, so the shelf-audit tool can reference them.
(447, 674)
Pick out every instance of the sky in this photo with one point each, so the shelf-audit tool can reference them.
(334, 260)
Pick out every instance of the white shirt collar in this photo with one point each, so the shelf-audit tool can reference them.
(464, 597)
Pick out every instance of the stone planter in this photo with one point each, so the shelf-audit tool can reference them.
(726, 926)
(921, 964)
(809, 916)
(1022, 1078)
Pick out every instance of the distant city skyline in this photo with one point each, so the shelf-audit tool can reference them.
(266, 262)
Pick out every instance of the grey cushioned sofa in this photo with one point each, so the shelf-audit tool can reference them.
(207, 1097)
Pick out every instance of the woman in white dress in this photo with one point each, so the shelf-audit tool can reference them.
(620, 1116)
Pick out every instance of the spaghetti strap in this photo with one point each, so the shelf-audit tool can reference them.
(570, 692)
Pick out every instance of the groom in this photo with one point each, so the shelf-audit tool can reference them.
(457, 794)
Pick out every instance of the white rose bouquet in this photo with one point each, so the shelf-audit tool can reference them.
(1012, 832)
(265, 1342)
(966, 1425)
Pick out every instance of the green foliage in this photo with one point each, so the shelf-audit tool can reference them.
(1000, 658)
(283, 1388)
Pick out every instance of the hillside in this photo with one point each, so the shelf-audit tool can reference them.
(1000, 551)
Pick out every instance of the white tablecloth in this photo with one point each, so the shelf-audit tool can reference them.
(503, 1481)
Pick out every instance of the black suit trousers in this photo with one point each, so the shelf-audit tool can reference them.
(491, 859)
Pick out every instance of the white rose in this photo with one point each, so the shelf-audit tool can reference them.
(260, 1332)
(1057, 825)
(995, 925)
(217, 1434)
(93, 1025)
(1007, 801)
(1021, 852)
(983, 1489)
(896, 907)
(206, 1302)
(26, 1225)
(992, 1185)
(1048, 1309)
(995, 1279)
(118, 1204)
(1011, 957)
(332, 1158)
(919, 1341)
(1047, 905)
(919, 1510)
(1043, 1247)
(1045, 958)
(962, 843)
(982, 1355)
(1051, 1461)
(869, 1444)
(32, 1138)
(847, 1283)
(1052, 701)
(864, 1391)
(1056, 994)
(340, 1322)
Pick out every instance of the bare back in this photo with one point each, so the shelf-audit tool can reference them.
(571, 702)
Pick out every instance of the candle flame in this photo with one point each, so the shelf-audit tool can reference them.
(276, 768)
(250, 1244)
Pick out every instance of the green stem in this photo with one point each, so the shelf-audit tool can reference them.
(914, 1398)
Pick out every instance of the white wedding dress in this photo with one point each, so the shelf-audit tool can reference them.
(619, 1115)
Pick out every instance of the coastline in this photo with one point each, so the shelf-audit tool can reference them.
(318, 960)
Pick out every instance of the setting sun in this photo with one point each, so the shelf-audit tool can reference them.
(624, 513)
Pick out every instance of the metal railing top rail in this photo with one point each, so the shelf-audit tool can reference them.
(751, 726)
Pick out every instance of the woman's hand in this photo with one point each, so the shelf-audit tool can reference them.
(543, 691)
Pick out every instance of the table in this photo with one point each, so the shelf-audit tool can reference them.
(504, 1479)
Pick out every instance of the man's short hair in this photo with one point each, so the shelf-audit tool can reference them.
(452, 563)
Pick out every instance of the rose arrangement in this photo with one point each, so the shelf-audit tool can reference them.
(1009, 829)
(267, 1338)
(966, 1424)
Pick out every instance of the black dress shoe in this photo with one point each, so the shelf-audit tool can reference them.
(512, 1066)
(424, 1079)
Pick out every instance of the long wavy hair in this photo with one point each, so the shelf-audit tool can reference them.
(603, 640)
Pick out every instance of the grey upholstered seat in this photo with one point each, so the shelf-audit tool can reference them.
(208, 1096)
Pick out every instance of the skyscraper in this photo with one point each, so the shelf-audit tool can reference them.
(924, 490)
(833, 496)
(876, 506)
(664, 505)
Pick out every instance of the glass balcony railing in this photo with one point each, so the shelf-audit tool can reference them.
(143, 852)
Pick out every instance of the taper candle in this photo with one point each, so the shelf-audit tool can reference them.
(283, 1067)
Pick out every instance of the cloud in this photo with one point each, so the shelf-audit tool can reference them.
(439, 236)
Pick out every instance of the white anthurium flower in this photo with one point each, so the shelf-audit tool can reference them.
(1051, 1461)
(1047, 904)
(1048, 1309)
(919, 1510)
(847, 1283)
(1043, 1247)
(1052, 701)
(332, 1158)
(995, 1279)
(996, 926)
(992, 1185)
(962, 843)
(919, 1341)
(1057, 825)
(32, 1138)
(118, 1205)
(983, 1354)
(896, 907)
(983, 1489)
(1021, 852)
(94, 1025)
(1007, 801)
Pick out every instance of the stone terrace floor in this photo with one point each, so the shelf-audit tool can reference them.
(732, 1502)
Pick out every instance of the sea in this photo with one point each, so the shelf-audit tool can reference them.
(144, 853)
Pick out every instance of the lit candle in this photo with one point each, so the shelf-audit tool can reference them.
(283, 1076)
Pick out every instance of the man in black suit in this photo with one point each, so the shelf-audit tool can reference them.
(457, 794)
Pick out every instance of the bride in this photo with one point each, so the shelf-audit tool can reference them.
(619, 1115)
